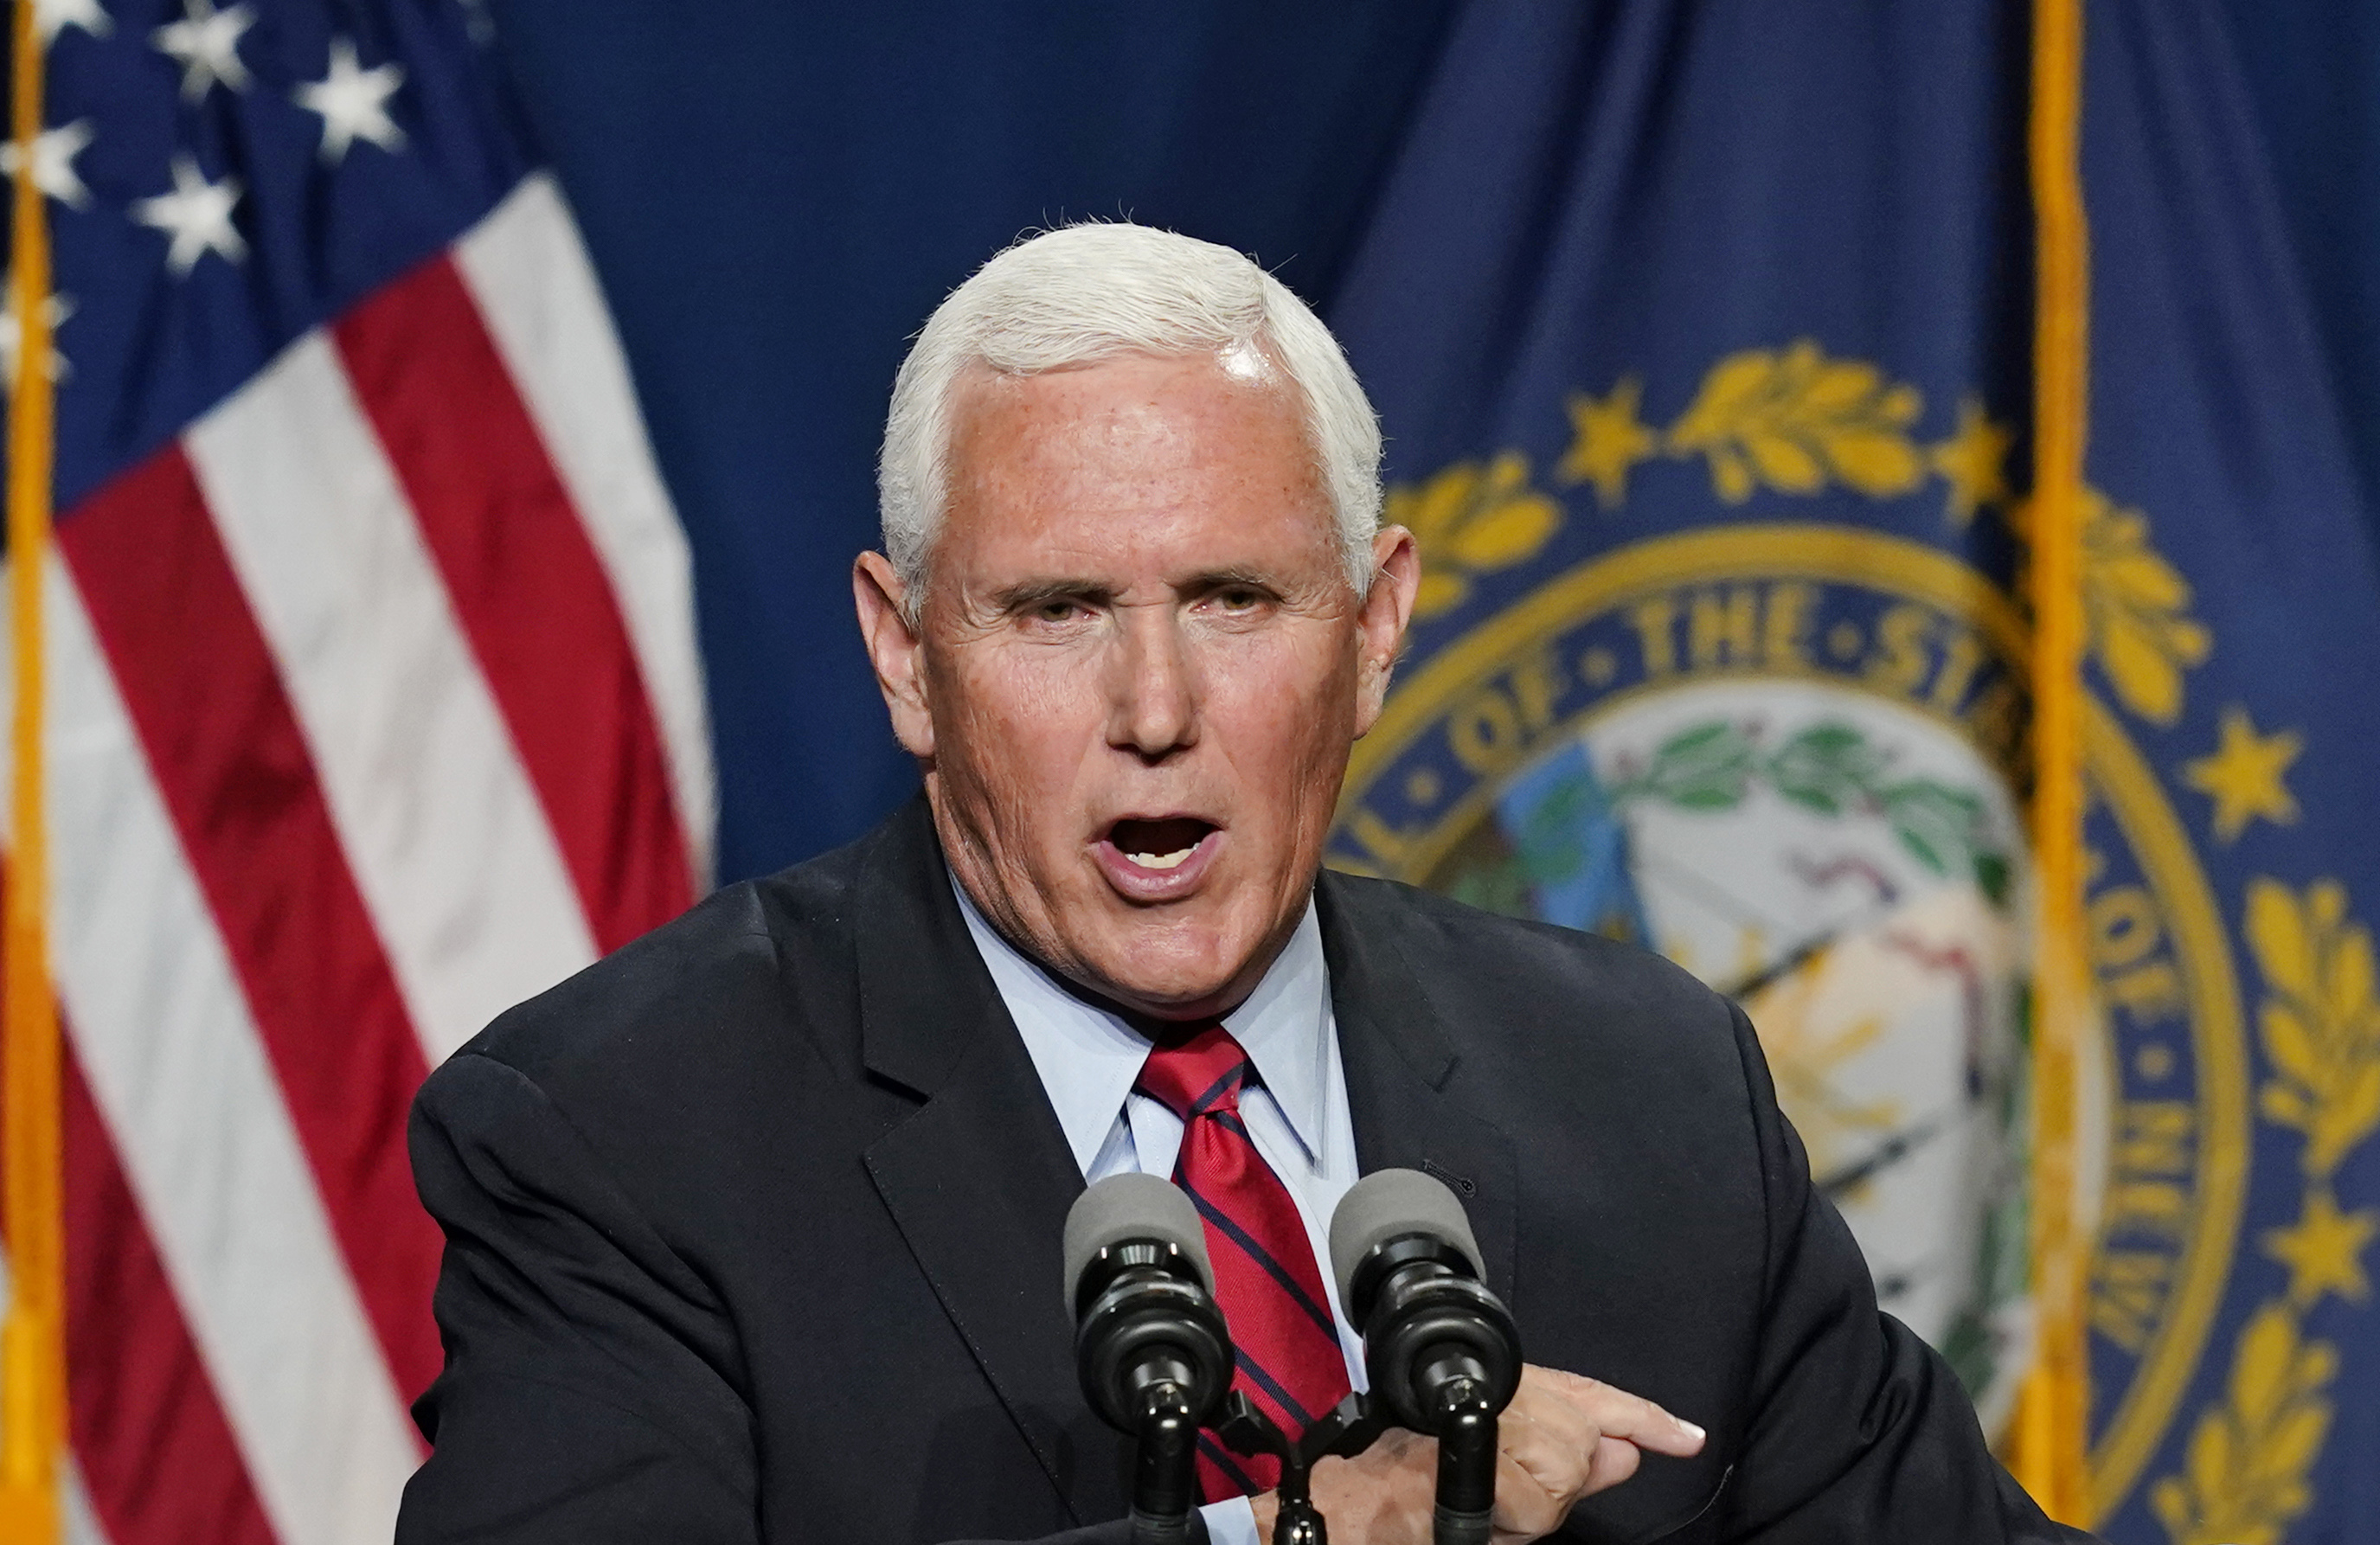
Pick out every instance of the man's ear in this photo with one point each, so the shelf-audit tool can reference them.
(1388, 607)
(895, 648)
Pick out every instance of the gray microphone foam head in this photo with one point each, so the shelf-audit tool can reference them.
(1389, 1203)
(1127, 1207)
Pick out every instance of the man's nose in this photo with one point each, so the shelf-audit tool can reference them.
(1155, 704)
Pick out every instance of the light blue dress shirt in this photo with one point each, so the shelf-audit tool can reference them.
(1089, 1058)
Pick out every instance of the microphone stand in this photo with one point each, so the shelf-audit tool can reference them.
(1346, 1430)
(1466, 1465)
(1165, 1469)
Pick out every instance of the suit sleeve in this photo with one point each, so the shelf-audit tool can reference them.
(594, 1389)
(1910, 1463)
(590, 1391)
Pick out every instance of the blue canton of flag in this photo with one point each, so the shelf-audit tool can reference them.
(222, 180)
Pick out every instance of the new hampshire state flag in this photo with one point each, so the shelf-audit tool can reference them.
(1705, 337)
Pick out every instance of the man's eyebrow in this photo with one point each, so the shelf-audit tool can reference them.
(1237, 574)
(1026, 594)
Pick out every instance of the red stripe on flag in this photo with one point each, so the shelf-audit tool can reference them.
(158, 1459)
(157, 1452)
(224, 745)
(530, 592)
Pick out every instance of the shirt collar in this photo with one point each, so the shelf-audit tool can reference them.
(1088, 1057)
(1285, 1027)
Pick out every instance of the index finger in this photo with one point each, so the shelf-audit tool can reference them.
(1618, 1414)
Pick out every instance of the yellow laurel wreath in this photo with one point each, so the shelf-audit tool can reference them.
(2138, 607)
(2135, 605)
(1797, 422)
(2244, 1477)
(1794, 420)
(1470, 519)
(2320, 1020)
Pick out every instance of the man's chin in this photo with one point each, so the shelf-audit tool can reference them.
(1167, 977)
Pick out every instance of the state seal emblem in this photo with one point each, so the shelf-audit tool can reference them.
(1788, 755)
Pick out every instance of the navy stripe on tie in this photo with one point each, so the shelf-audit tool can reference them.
(1272, 1386)
(1222, 1225)
(1229, 1466)
(1219, 1087)
(1230, 1122)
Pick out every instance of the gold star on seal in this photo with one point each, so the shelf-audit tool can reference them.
(2243, 776)
(1973, 461)
(2323, 1251)
(1610, 440)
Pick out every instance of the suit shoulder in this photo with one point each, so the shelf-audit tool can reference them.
(749, 951)
(1460, 951)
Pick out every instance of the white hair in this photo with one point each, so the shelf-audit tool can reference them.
(1088, 293)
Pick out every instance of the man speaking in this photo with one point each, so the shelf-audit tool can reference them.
(753, 1229)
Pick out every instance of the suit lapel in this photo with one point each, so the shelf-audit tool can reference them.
(980, 1178)
(1404, 1076)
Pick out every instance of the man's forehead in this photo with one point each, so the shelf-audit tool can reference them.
(1183, 417)
(1172, 470)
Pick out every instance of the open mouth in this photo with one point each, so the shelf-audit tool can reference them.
(1165, 844)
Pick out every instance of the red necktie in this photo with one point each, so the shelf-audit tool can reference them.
(1265, 1279)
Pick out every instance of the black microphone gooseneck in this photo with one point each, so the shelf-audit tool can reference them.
(1441, 1352)
(1149, 1344)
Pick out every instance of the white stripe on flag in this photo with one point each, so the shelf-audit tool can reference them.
(534, 286)
(181, 1080)
(444, 833)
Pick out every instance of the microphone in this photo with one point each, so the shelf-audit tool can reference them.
(1150, 1346)
(1441, 1352)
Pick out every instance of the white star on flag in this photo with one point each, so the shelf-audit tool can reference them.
(53, 17)
(353, 102)
(196, 213)
(206, 40)
(53, 156)
(57, 307)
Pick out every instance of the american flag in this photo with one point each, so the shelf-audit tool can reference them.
(374, 708)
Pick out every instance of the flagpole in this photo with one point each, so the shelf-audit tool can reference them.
(2051, 1449)
(32, 1338)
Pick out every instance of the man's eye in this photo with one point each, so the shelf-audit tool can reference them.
(1056, 611)
(1238, 600)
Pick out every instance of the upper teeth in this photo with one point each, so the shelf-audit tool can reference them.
(1166, 860)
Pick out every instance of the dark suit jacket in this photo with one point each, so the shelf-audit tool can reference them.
(753, 1234)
